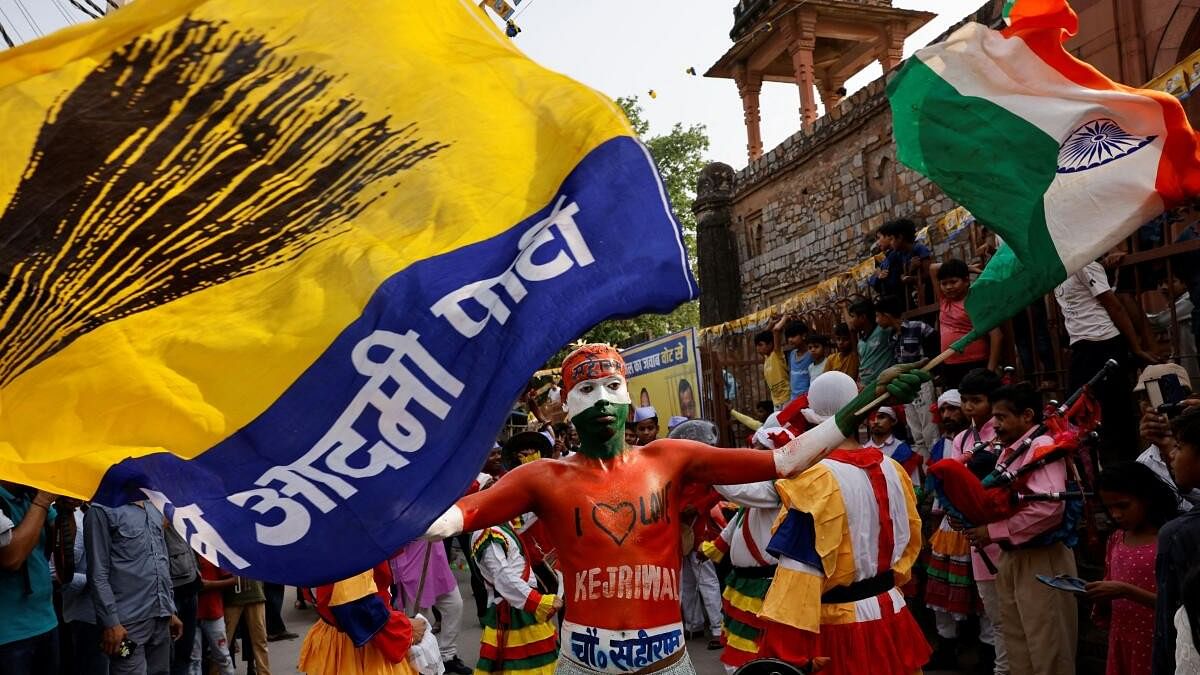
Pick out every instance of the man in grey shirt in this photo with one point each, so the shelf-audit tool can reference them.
(78, 613)
(131, 587)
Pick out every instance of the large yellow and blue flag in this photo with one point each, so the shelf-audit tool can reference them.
(282, 267)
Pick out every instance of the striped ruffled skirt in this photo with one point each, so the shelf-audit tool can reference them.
(745, 588)
(948, 587)
(514, 642)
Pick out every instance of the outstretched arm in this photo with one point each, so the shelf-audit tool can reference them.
(508, 498)
(717, 466)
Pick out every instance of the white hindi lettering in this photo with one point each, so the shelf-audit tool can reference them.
(624, 582)
(386, 358)
(189, 522)
(573, 250)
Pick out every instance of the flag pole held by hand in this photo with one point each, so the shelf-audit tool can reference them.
(882, 398)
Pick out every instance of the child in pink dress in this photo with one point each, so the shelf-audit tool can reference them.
(1139, 503)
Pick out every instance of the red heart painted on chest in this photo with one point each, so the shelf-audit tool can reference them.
(615, 520)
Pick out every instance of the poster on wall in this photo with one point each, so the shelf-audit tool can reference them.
(665, 373)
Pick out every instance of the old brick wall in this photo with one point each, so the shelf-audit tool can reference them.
(809, 208)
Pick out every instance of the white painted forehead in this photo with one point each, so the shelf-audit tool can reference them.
(601, 381)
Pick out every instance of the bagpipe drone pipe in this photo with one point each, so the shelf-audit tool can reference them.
(983, 488)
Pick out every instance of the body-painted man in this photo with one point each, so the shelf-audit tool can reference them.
(613, 515)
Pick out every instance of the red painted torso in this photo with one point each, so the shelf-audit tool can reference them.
(616, 527)
(615, 523)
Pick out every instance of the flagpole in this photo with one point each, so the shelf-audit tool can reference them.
(882, 398)
(421, 583)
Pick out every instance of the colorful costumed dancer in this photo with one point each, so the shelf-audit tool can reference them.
(744, 540)
(519, 637)
(846, 542)
(613, 515)
(949, 590)
(359, 633)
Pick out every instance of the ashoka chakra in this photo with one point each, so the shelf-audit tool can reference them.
(1097, 143)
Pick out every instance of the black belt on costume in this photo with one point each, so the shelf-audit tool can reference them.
(764, 572)
(860, 590)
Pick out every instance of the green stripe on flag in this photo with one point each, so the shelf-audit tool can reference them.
(1008, 8)
(999, 167)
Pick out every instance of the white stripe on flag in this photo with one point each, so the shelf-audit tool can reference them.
(1087, 212)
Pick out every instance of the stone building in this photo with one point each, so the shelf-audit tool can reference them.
(807, 208)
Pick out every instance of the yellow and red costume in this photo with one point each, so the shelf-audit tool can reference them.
(518, 636)
(744, 541)
(846, 540)
(359, 633)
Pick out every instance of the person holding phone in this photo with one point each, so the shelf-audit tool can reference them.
(131, 587)
(1157, 401)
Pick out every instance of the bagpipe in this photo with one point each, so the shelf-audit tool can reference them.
(985, 488)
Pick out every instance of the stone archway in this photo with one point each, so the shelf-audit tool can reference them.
(1180, 37)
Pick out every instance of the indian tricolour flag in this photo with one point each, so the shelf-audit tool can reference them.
(1053, 156)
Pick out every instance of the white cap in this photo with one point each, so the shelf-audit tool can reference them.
(644, 413)
(950, 397)
(675, 421)
(887, 410)
(827, 394)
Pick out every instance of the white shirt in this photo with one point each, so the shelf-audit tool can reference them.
(762, 508)
(1187, 659)
(1083, 315)
(6, 528)
(1152, 457)
(817, 369)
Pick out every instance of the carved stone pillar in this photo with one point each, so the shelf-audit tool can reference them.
(749, 86)
(801, 32)
(891, 52)
(720, 278)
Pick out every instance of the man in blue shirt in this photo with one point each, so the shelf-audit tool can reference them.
(798, 357)
(29, 628)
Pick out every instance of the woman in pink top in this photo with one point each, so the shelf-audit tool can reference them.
(1139, 503)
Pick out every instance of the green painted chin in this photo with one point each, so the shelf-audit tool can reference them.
(601, 429)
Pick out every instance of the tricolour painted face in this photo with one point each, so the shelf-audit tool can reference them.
(587, 393)
(598, 409)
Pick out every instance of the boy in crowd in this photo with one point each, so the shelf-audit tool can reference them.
(881, 424)
(1178, 543)
(875, 352)
(818, 350)
(953, 284)
(794, 334)
(775, 371)
(912, 341)
(973, 443)
(210, 615)
(845, 355)
(906, 260)
(645, 423)
(1040, 624)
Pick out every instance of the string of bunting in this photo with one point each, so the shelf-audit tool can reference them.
(840, 285)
